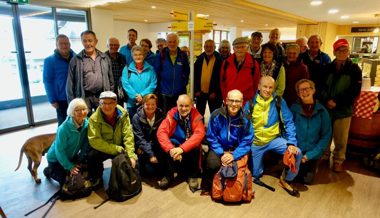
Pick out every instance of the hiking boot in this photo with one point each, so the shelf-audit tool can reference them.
(288, 188)
(164, 183)
(47, 172)
(193, 184)
(338, 167)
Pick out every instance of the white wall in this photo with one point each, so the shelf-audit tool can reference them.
(102, 25)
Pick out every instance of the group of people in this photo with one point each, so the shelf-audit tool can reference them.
(261, 98)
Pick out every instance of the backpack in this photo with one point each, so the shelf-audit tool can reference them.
(234, 184)
(75, 187)
(121, 94)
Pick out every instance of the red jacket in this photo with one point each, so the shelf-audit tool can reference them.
(169, 125)
(244, 80)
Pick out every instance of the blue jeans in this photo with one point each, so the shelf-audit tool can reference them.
(277, 145)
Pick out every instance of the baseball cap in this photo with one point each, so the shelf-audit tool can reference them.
(340, 43)
(108, 94)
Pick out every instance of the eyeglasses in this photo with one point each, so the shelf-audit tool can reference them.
(305, 89)
(232, 101)
(345, 50)
(80, 110)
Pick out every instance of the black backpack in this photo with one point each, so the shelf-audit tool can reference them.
(125, 181)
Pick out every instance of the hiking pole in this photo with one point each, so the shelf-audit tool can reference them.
(260, 183)
(51, 199)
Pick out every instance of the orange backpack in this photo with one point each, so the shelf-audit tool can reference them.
(236, 189)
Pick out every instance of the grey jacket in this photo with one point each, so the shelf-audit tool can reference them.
(74, 85)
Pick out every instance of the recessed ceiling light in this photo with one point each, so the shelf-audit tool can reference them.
(315, 3)
(344, 17)
(153, 7)
(145, 20)
(333, 11)
(266, 24)
(355, 22)
(241, 21)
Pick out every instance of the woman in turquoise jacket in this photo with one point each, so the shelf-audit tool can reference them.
(138, 80)
(313, 127)
(70, 140)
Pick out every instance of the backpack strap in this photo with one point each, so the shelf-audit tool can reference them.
(52, 199)
(278, 100)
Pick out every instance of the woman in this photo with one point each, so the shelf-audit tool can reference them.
(146, 44)
(145, 124)
(294, 71)
(269, 67)
(138, 80)
(313, 128)
(71, 138)
(224, 49)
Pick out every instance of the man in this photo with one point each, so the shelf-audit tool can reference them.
(126, 49)
(173, 70)
(55, 76)
(161, 44)
(206, 78)
(274, 38)
(109, 133)
(90, 73)
(270, 134)
(117, 62)
(342, 86)
(240, 71)
(180, 135)
(302, 43)
(224, 49)
(229, 134)
(316, 61)
(255, 44)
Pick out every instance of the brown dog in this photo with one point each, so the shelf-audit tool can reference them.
(34, 148)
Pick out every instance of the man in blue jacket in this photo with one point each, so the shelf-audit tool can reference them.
(229, 134)
(55, 75)
(173, 69)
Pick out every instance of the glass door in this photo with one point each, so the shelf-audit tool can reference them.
(13, 111)
(38, 45)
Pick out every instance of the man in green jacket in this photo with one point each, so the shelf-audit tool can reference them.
(109, 134)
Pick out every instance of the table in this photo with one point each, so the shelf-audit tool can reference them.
(367, 103)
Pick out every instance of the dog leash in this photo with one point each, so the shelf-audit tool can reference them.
(52, 199)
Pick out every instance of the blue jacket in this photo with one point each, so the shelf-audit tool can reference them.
(126, 51)
(265, 120)
(172, 79)
(144, 134)
(138, 83)
(55, 76)
(68, 143)
(313, 133)
(150, 58)
(226, 133)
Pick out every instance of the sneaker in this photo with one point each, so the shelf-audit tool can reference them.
(193, 184)
(47, 172)
(338, 167)
(164, 183)
(288, 188)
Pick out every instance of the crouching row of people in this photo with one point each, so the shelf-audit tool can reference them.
(165, 145)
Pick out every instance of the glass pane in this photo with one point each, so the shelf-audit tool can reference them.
(38, 45)
(224, 35)
(12, 104)
(72, 23)
(217, 36)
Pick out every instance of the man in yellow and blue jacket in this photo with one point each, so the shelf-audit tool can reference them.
(268, 135)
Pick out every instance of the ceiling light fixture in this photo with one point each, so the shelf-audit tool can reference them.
(355, 22)
(315, 3)
(344, 17)
(241, 21)
(145, 21)
(153, 7)
(333, 11)
(266, 24)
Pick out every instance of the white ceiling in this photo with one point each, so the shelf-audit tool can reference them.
(248, 14)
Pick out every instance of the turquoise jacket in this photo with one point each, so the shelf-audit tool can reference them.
(68, 143)
(138, 83)
(104, 138)
(313, 133)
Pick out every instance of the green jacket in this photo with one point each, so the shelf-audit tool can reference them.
(104, 138)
